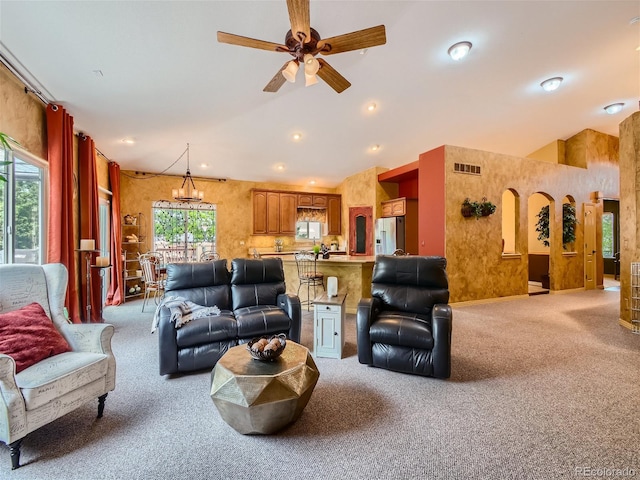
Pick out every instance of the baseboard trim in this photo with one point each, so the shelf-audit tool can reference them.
(487, 300)
(629, 326)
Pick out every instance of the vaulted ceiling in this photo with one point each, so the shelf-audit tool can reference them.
(153, 72)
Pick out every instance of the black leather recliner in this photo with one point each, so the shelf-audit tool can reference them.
(252, 303)
(406, 325)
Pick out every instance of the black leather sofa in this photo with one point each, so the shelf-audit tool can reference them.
(252, 303)
(406, 325)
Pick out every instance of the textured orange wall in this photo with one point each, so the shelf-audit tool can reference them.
(431, 203)
(477, 268)
(22, 116)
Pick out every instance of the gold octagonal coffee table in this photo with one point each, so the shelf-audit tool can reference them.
(256, 397)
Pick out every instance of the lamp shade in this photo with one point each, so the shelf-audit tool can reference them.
(290, 72)
(311, 64)
(310, 80)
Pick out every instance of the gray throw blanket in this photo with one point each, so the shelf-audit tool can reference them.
(182, 311)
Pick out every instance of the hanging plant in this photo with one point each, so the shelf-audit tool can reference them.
(477, 209)
(569, 222)
(486, 207)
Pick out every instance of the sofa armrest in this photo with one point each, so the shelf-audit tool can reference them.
(291, 305)
(441, 330)
(89, 337)
(366, 312)
(94, 338)
(167, 342)
(13, 412)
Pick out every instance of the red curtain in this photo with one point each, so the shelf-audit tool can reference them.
(89, 224)
(60, 241)
(115, 296)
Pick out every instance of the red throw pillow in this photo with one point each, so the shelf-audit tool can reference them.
(29, 336)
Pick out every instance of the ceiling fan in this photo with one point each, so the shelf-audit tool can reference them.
(303, 43)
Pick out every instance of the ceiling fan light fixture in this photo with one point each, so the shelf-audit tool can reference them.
(551, 84)
(310, 80)
(290, 71)
(613, 108)
(459, 50)
(311, 64)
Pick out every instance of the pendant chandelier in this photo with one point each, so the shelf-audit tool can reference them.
(188, 191)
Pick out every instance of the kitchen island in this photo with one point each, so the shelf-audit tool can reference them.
(353, 272)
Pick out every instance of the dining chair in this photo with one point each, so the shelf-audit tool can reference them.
(150, 263)
(209, 256)
(308, 275)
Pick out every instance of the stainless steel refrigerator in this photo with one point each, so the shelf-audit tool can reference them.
(390, 235)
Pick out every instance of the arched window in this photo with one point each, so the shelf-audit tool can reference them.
(510, 221)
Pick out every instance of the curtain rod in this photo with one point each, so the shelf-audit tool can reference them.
(28, 85)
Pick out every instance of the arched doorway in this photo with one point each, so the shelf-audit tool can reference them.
(540, 219)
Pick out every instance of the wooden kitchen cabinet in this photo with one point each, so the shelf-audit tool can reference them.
(266, 212)
(334, 215)
(276, 212)
(398, 207)
(311, 200)
(288, 207)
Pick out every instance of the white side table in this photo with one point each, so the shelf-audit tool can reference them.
(328, 325)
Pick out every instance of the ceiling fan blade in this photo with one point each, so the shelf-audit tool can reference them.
(369, 37)
(299, 18)
(250, 42)
(277, 81)
(332, 77)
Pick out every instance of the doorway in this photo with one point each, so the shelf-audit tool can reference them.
(590, 247)
(611, 238)
(361, 231)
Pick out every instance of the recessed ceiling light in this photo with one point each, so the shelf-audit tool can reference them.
(459, 50)
(296, 136)
(638, 49)
(364, 51)
(128, 141)
(375, 148)
(204, 165)
(280, 167)
(371, 107)
(634, 20)
(551, 84)
(312, 182)
(613, 108)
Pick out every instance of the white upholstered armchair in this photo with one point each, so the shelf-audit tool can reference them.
(58, 384)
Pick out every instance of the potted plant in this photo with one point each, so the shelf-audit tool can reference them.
(486, 207)
(471, 209)
(316, 250)
(569, 222)
(5, 143)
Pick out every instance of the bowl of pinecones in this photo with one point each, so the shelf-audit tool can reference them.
(267, 349)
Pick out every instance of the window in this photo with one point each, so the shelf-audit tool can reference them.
(22, 208)
(308, 230)
(608, 241)
(182, 232)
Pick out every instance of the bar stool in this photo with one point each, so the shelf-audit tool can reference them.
(308, 274)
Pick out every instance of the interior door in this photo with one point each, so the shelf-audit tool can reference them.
(361, 231)
(590, 248)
